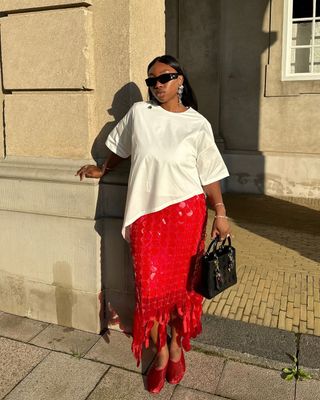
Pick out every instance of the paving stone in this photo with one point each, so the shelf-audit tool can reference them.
(119, 384)
(247, 382)
(202, 371)
(317, 326)
(182, 393)
(284, 269)
(114, 348)
(16, 361)
(308, 390)
(59, 377)
(309, 351)
(67, 340)
(20, 328)
(247, 338)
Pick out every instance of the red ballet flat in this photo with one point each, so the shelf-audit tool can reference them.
(156, 379)
(176, 370)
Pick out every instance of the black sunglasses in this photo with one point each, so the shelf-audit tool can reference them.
(164, 78)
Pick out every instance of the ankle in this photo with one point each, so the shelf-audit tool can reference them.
(174, 345)
(175, 351)
(164, 351)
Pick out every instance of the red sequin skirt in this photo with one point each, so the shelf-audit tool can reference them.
(166, 246)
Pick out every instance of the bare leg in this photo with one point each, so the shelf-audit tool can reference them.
(175, 348)
(163, 355)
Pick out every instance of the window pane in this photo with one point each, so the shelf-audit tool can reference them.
(317, 33)
(302, 8)
(316, 65)
(301, 33)
(300, 60)
(318, 9)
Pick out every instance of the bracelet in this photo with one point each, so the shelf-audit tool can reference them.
(219, 204)
(221, 216)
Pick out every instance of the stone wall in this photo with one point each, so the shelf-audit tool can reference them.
(70, 70)
(267, 128)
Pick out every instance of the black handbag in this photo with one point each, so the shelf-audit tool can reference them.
(217, 269)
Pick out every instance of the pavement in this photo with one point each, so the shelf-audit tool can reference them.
(278, 263)
(229, 360)
(249, 332)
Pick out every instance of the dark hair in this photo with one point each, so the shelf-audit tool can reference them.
(188, 97)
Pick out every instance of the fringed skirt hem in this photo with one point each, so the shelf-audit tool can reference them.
(166, 248)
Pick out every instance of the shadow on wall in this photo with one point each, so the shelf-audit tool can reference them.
(62, 280)
(122, 101)
(117, 296)
(117, 277)
(235, 87)
(223, 56)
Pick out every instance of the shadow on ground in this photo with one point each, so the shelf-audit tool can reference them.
(256, 212)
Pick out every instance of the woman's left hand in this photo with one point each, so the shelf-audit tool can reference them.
(221, 228)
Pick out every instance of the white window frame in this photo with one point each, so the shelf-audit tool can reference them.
(287, 75)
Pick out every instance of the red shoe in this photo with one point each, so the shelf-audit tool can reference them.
(176, 370)
(156, 379)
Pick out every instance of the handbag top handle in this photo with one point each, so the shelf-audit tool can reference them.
(215, 242)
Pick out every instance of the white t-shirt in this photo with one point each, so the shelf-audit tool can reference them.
(172, 156)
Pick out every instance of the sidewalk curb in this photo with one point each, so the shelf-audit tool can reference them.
(221, 337)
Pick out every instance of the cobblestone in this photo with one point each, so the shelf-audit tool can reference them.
(277, 265)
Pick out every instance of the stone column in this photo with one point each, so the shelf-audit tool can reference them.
(70, 70)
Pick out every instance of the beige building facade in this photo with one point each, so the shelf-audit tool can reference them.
(267, 126)
(71, 69)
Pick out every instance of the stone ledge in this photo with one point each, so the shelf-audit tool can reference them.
(273, 173)
(56, 170)
(9, 6)
(50, 187)
(43, 169)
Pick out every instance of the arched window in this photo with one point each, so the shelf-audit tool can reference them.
(301, 55)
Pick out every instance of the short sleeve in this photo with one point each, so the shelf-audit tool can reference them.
(210, 164)
(119, 139)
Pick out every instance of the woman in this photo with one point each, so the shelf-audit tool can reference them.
(174, 163)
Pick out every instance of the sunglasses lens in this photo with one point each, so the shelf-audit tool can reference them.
(151, 81)
(164, 78)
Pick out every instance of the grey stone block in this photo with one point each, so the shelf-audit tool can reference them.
(119, 384)
(114, 348)
(182, 393)
(20, 328)
(16, 361)
(203, 372)
(247, 338)
(308, 390)
(309, 351)
(67, 340)
(247, 382)
(59, 377)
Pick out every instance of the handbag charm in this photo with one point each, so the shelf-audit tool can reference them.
(217, 269)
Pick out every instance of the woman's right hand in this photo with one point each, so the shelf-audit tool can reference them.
(89, 171)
